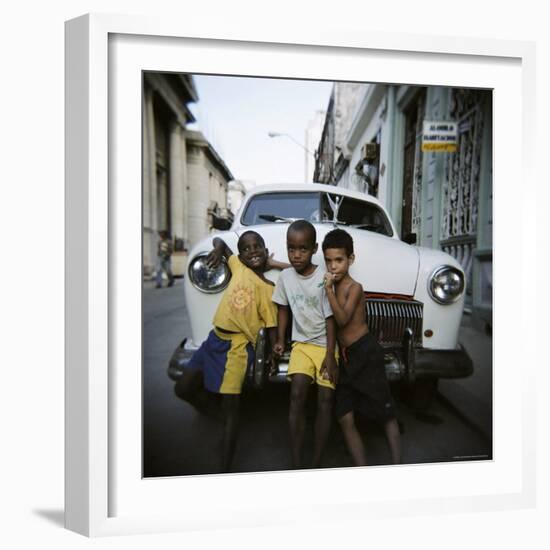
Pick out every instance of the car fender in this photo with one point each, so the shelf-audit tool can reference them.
(442, 320)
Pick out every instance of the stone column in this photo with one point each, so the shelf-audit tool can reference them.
(177, 183)
(185, 188)
(199, 195)
(149, 184)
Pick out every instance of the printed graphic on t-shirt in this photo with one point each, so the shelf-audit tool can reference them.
(241, 298)
(296, 301)
(312, 302)
(302, 305)
(301, 302)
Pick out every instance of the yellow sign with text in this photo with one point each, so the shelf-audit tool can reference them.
(438, 147)
(439, 136)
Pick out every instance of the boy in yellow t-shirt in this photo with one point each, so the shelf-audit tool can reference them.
(220, 364)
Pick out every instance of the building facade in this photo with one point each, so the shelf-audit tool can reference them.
(235, 195)
(184, 182)
(208, 181)
(443, 200)
(313, 133)
(332, 148)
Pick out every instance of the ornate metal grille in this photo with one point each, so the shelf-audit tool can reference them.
(461, 185)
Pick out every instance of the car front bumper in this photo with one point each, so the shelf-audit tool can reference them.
(406, 363)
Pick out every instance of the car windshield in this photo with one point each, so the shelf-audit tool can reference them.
(280, 207)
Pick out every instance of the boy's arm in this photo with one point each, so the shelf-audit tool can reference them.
(282, 322)
(343, 313)
(220, 249)
(272, 335)
(271, 263)
(329, 362)
(273, 359)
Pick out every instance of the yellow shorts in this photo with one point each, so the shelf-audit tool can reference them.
(307, 359)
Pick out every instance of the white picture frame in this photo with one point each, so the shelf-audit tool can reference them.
(105, 55)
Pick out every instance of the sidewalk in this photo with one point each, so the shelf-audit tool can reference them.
(473, 396)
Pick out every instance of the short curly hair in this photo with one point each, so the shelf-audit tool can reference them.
(303, 226)
(338, 238)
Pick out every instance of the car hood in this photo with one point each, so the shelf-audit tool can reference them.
(382, 264)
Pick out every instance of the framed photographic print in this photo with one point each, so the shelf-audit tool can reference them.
(176, 136)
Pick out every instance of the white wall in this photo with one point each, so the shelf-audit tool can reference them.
(32, 298)
(367, 136)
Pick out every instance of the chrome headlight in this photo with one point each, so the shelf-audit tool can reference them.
(446, 285)
(206, 279)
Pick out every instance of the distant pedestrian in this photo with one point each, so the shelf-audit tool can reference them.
(164, 262)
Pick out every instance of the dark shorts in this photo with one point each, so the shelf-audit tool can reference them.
(362, 385)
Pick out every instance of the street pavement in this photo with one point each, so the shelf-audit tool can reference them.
(473, 396)
(179, 441)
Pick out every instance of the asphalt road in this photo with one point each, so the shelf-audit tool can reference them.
(179, 441)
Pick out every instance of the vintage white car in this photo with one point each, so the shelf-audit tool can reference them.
(413, 296)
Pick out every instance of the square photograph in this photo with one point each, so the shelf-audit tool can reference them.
(316, 274)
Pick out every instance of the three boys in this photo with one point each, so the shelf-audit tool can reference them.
(325, 307)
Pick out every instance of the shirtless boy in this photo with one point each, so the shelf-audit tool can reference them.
(362, 385)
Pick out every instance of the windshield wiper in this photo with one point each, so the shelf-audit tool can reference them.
(375, 227)
(333, 222)
(272, 218)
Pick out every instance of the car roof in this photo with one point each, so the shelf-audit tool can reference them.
(319, 187)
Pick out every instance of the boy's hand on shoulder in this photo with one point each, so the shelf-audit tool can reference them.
(270, 262)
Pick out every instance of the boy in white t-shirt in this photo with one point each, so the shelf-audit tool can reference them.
(300, 288)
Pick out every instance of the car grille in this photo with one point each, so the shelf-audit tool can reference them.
(388, 319)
